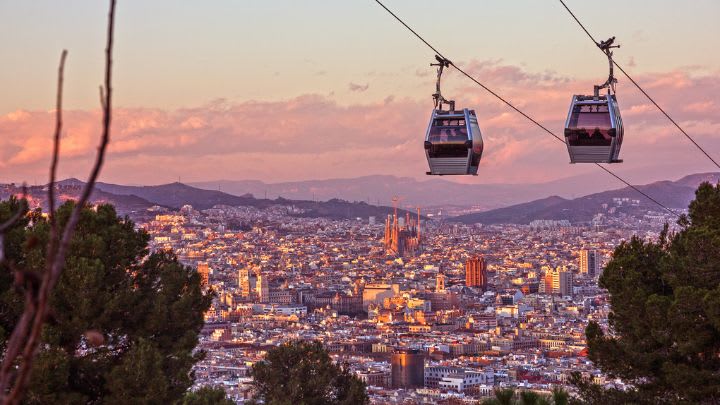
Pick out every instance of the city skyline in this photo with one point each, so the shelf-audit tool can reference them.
(258, 227)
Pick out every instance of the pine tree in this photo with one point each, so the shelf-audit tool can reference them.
(508, 396)
(664, 327)
(302, 373)
(206, 396)
(124, 321)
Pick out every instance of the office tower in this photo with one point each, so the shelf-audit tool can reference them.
(476, 272)
(565, 283)
(589, 262)
(408, 369)
(546, 283)
(204, 270)
(557, 281)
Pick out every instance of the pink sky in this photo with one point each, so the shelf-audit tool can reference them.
(282, 91)
(313, 136)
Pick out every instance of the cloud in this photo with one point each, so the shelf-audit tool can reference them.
(358, 87)
(314, 136)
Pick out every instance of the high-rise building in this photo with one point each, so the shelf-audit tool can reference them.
(546, 283)
(476, 272)
(204, 270)
(565, 283)
(263, 288)
(408, 369)
(557, 281)
(589, 262)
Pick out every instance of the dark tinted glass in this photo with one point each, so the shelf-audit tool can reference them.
(590, 126)
(448, 130)
(581, 137)
(448, 150)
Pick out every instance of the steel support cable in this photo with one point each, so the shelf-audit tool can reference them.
(690, 138)
(509, 104)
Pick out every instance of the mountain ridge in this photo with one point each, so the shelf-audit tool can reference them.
(672, 194)
(430, 193)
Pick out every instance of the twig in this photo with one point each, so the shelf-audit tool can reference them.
(56, 264)
(55, 157)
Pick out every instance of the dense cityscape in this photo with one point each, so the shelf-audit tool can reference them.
(420, 310)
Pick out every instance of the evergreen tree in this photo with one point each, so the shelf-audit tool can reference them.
(124, 321)
(664, 327)
(206, 396)
(509, 396)
(302, 373)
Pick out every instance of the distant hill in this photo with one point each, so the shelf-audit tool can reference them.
(175, 195)
(135, 200)
(70, 190)
(520, 213)
(673, 194)
(431, 192)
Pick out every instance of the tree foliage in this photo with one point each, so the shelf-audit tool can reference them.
(302, 373)
(509, 396)
(124, 321)
(663, 333)
(206, 396)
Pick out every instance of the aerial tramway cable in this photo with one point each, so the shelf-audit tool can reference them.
(641, 89)
(509, 104)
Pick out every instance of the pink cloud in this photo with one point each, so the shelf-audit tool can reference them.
(313, 136)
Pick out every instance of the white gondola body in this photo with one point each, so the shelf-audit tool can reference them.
(453, 143)
(594, 129)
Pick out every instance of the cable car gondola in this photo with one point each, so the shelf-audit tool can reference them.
(594, 129)
(453, 142)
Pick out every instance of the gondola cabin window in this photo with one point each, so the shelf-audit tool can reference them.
(448, 130)
(590, 125)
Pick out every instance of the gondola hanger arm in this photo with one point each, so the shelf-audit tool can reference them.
(438, 98)
(606, 47)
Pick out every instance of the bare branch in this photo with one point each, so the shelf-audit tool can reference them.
(57, 262)
(55, 157)
(102, 97)
(57, 265)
